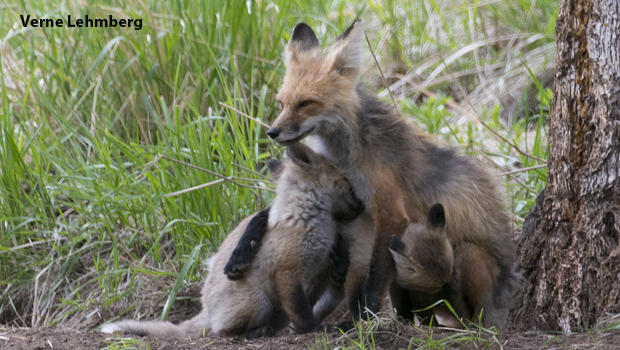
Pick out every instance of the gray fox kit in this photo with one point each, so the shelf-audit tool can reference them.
(291, 268)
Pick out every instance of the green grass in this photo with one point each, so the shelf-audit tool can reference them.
(388, 331)
(125, 344)
(104, 132)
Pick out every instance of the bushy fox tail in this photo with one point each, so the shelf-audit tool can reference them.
(146, 328)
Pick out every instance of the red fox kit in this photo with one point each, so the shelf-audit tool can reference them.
(291, 266)
(395, 170)
(429, 269)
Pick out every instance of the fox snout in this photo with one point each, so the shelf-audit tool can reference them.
(273, 133)
(289, 134)
(292, 126)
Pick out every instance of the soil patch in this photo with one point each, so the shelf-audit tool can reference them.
(387, 336)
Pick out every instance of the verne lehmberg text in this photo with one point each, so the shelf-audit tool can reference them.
(86, 22)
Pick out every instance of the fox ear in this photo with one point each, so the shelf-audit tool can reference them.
(275, 167)
(397, 249)
(437, 216)
(302, 39)
(346, 53)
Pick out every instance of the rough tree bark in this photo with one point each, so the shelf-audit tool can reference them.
(569, 250)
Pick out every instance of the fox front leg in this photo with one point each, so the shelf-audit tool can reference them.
(327, 299)
(295, 302)
(389, 218)
(248, 244)
(401, 301)
(339, 259)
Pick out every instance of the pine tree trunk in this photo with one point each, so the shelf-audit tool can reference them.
(569, 251)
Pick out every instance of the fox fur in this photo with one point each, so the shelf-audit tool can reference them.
(291, 268)
(429, 269)
(394, 169)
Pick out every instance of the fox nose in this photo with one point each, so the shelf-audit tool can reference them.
(273, 133)
(397, 245)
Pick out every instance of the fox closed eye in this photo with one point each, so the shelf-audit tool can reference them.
(304, 103)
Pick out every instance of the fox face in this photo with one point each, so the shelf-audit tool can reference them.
(318, 87)
(309, 172)
(424, 257)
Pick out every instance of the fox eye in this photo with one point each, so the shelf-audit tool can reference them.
(304, 103)
(281, 104)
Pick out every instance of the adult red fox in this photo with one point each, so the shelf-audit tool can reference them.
(395, 170)
(292, 266)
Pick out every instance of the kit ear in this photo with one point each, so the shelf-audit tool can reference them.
(397, 249)
(356, 25)
(302, 39)
(275, 167)
(346, 52)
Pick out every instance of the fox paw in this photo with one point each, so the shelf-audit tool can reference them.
(239, 261)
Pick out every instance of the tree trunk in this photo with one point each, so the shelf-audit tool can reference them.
(569, 251)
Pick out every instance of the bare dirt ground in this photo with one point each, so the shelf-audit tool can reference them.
(384, 338)
(387, 334)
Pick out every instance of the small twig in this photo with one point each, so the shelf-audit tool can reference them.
(27, 245)
(210, 172)
(239, 166)
(468, 331)
(230, 179)
(241, 178)
(497, 166)
(36, 297)
(510, 143)
(524, 169)
(189, 165)
(245, 115)
(385, 83)
(176, 193)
